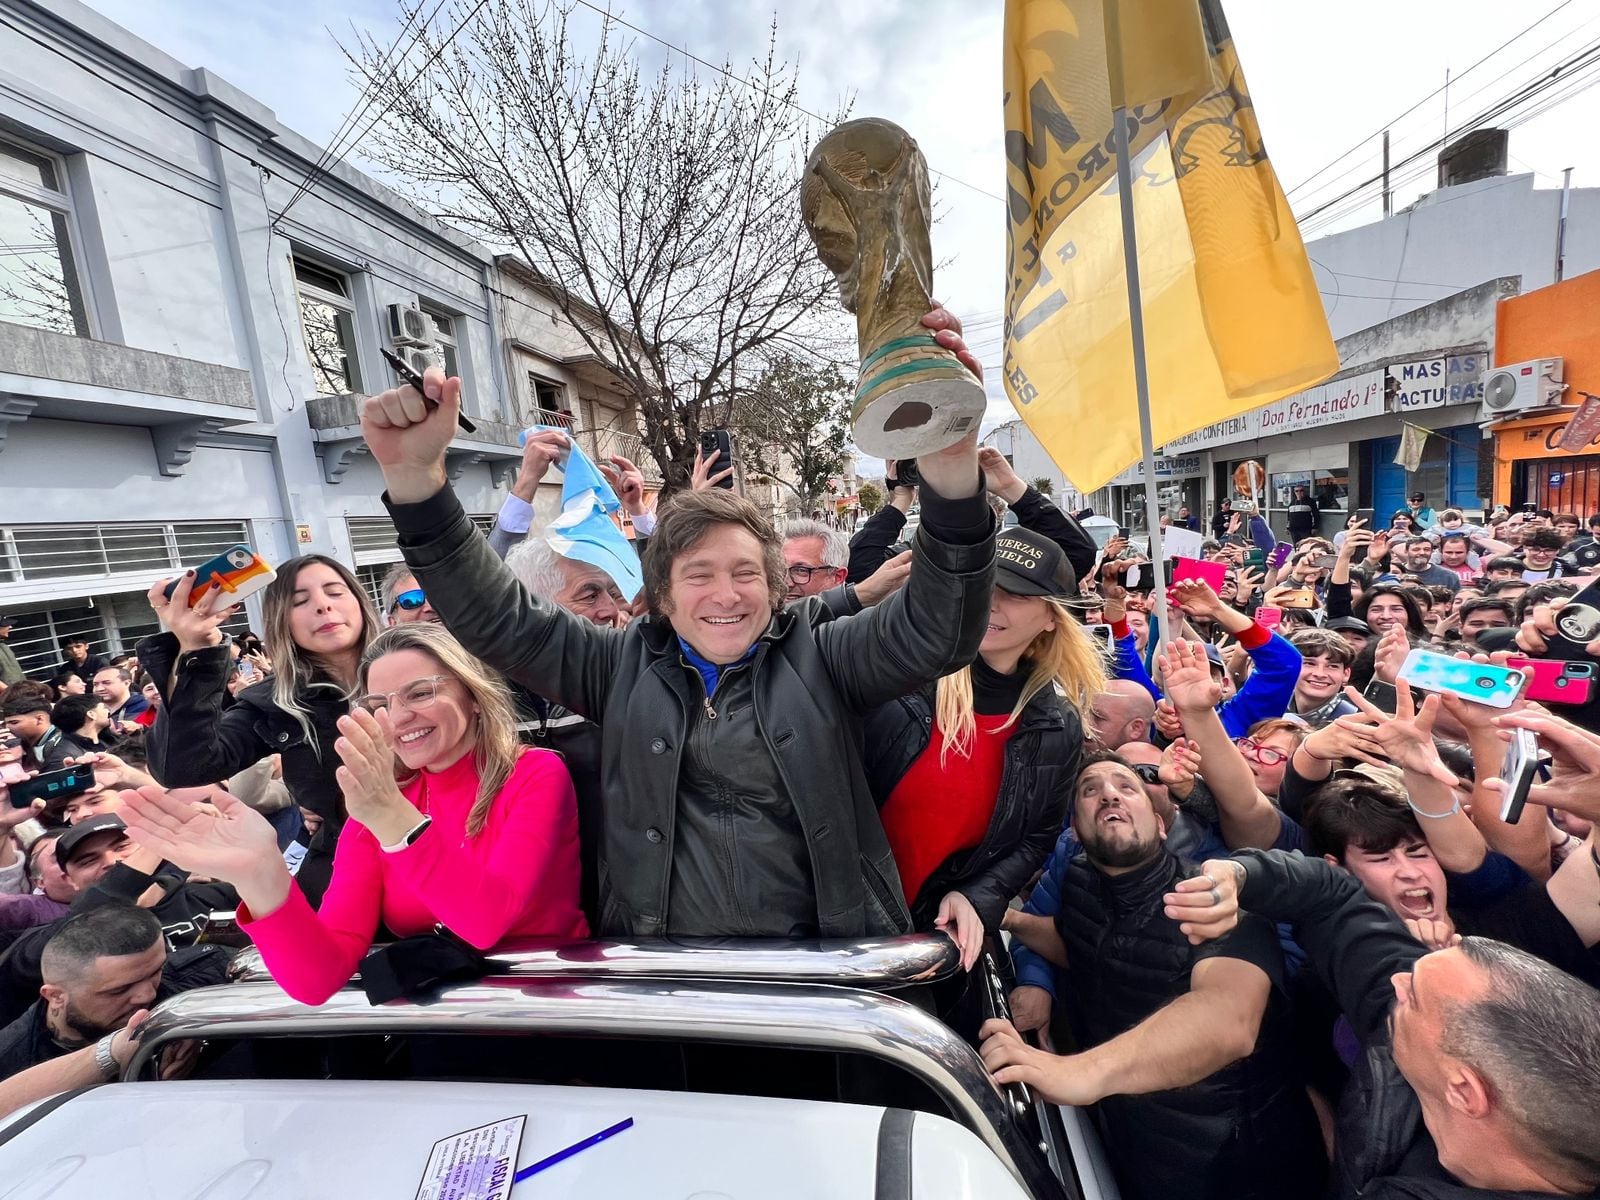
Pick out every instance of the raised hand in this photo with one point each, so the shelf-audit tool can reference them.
(196, 627)
(542, 449)
(627, 481)
(408, 438)
(999, 479)
(886, 580)
(1186, 678)
(953, 471)
(1436, 933)
(1390, 656)
(1406, 738)
(227, 840)
(1195, 597)
(1574, 785)
(1168, 723)
(1180, 764)
(367, 778)
(701, 477)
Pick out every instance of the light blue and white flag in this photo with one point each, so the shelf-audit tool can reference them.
(584, 530)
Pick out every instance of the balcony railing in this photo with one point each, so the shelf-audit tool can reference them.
(553, 418)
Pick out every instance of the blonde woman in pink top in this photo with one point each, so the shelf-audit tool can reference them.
(452, 822)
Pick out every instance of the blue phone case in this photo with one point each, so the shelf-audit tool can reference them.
(1481, 683)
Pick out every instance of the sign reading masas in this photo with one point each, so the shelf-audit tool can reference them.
(1436, 382)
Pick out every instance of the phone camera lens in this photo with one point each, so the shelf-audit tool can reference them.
(1486, 683)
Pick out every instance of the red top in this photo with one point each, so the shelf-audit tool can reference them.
(936, 811)
(516, 878)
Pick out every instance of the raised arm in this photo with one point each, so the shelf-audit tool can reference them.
(540, 645)
(1036, 512)
(1246, 816)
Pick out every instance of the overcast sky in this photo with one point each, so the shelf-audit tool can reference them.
(1324, 76)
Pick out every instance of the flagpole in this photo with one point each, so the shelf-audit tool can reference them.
(1141, 375)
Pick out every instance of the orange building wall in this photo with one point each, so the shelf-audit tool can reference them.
(1562, 319)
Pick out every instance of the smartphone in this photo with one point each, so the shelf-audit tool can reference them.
(1518, 770)
(1102, 633)
(1555, 681)
(1577, 624)
(239, 571)
(247, 670)
(1383, 695)
(717, 441)
(1298, 598)
(53, 785)
(1269, 616)
(1280, 554)
(905, 472)
(403, 369)
(1480, 683)
(1529, 509)
(1326, 562)
(221, 929)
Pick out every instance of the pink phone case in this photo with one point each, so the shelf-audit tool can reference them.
(1214, 573)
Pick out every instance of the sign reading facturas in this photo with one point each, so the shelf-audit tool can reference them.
(1436, 382)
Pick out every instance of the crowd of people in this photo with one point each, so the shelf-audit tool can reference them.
(1263, 910)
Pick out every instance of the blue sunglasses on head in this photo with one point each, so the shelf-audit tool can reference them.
(410, 601)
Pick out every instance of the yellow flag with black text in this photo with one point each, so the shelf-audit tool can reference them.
(1231, 312)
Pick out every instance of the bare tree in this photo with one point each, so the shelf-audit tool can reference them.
(792, 425)
(662, 210)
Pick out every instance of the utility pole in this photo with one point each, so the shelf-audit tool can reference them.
(1561, 224)
(1388, 197)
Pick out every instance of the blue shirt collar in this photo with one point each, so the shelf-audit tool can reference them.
(709, 671)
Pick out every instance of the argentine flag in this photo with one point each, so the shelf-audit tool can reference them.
(584, 529)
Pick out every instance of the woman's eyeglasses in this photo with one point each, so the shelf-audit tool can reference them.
(1267, 756)
(418, 694)
(410, 601)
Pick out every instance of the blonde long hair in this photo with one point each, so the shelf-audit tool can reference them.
(294, 669)
(1064, 657)
(495, 748)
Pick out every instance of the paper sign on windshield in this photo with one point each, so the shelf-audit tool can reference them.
(476, 1165)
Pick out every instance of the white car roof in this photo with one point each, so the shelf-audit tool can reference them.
(290, 1140)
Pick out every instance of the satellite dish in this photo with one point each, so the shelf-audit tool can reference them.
(1500, 391)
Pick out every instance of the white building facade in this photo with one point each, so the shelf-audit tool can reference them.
(184, 340)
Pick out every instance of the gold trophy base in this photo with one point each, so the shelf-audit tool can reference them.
(915, 398)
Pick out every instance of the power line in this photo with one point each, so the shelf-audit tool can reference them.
(369, 93)
(610, 16)
(317, 175)
(1429, 96)
(1524, 94)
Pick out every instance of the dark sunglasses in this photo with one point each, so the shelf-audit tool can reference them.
(410, 601)
(1148, 772)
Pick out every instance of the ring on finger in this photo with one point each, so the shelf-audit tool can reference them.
(1216, 897)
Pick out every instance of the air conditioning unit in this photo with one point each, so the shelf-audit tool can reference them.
(1522, 386)
(408, 325)
(419, 360)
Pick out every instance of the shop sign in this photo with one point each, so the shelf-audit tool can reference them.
(1232, 430)
(1185, 466)
(1348, 399)
(1436, 382)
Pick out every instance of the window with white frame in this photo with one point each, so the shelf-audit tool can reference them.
(328, 324)
(442, 329)
(550, 403)
(39, 284)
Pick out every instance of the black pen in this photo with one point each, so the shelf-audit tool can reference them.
(403, 369)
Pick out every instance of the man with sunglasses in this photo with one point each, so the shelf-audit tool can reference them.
(404, 602)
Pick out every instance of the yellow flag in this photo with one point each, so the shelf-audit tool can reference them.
(1231, 312)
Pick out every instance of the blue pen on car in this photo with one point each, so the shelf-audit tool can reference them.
(594, 1139)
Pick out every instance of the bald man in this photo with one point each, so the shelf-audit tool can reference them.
(1122, 713)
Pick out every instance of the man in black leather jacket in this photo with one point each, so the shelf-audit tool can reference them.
(1183, 1049)
(1480, 1065)
(733, 793)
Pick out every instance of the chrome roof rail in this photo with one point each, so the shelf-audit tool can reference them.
(799, 1016)
(880, 965)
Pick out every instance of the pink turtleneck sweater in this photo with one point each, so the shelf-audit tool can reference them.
(517, 878)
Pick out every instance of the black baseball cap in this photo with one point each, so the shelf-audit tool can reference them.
(1353, 624)
(1029, 564)
(82, 831)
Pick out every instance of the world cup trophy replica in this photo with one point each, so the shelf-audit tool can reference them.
(866, 202)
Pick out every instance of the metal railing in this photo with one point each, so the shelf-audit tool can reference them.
(884, 965)
(802, 1016)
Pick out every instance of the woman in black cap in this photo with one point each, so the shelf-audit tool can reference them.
(972, 774)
